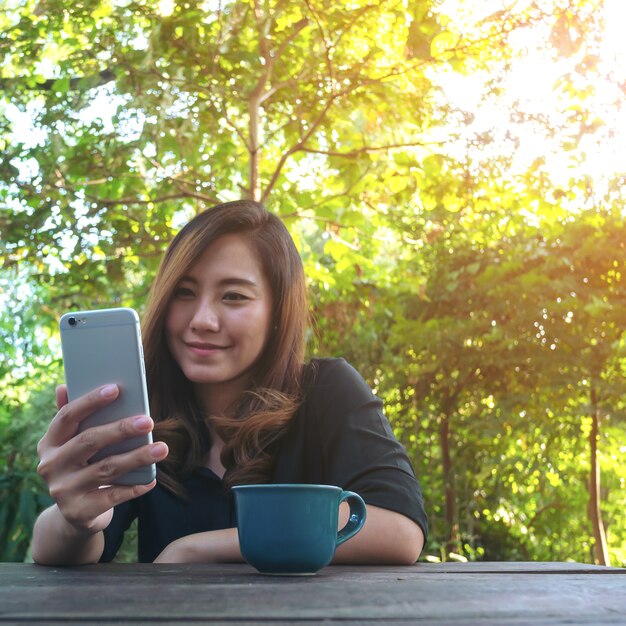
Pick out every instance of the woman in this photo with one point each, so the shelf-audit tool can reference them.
(232, 403)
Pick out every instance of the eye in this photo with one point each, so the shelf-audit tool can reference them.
(183, 292)
(235, 296)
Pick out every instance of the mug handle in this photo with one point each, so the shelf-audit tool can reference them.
(357, 516)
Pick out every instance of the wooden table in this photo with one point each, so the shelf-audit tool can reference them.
(451, 593)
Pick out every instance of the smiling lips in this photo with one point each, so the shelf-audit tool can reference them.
(203, 349)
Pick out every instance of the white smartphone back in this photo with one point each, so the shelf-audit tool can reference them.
(102, 347)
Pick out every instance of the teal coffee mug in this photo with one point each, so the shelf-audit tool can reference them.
(292, 529)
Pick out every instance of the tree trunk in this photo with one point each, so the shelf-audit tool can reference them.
(450, 499)
(595, 514)
(254, 191)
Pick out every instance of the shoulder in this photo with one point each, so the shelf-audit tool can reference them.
(328, 374)
(333, 386)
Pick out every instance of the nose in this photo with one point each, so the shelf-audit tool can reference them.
(205, 318)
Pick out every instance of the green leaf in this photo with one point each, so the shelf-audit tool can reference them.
(61, 85)
(443, 45)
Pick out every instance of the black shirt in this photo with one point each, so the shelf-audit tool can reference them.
(339, 436)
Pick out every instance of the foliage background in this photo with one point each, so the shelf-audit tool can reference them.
(451, 174)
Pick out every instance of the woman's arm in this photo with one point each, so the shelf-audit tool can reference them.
(360, 452)
(57, 542)
(387, 538)
(214, 546)
(70, 531)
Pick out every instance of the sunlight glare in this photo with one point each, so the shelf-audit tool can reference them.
(613, 47)
(549, 109)
(166, 8)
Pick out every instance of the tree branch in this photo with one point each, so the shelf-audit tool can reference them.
(78, 83)
(132, 200)
(367, 149)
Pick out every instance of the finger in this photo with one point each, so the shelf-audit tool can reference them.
(78, 491)
(104, 472)
(61, 396)
(100, 500)
(65, 423)
(74, 455)
(91, 440)
(90, 510)
(61, 400)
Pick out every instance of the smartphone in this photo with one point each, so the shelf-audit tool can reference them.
(102, 347)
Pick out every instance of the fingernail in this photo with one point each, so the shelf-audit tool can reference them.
(158, 449)
(108, 391)
(142, 422)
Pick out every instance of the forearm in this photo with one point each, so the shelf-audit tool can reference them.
(57, 542)
(387, 538)
(215, 546)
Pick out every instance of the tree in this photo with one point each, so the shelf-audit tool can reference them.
(433, 229)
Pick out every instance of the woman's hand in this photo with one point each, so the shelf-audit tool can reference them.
(214, 546)
(83, 492)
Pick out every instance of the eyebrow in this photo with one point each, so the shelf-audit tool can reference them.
(246, 282)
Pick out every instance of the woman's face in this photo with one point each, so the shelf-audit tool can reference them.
(219, 318)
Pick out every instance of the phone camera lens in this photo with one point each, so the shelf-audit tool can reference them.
(72, 321)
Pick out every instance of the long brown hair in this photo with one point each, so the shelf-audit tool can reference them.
(265, 410)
